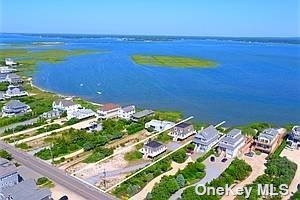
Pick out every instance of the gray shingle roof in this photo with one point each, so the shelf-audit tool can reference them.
(128, 108)
(26, 190)
(183, 125)
(153, 144)
(15, 104)
(208, 135)
(230, 140)
(269, 133)
(142, 114)
(6, 168)
(64, 102)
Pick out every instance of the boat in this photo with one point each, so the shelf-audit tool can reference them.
(99, 92)
(81, 84)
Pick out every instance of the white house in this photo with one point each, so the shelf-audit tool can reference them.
(231, 143)
(109, 110)
(7, 70)
(153, 148)
(126, 112)
(65, 105)
(182, 131)
(205, 139)
(8, 174)
(15, 91)
(267, 140)
(158, 125)
(9, 62)
(80, 114)
(52, 114)
(294, 138)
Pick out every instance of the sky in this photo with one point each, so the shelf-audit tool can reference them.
(247, 18)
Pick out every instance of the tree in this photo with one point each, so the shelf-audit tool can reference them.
(180, 180)
(179, 156)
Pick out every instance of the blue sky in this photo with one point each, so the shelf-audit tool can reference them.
(153, 17)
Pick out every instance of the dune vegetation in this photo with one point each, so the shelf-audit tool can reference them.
(172, 61)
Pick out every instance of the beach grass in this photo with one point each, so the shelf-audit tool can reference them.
(29, 59)
(172, 61)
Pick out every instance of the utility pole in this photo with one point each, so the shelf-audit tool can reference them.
(104, 178)
(51, 152)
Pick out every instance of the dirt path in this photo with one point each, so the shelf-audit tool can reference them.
(257, 163)
(29, 131)
(293, 155)
(148, 188)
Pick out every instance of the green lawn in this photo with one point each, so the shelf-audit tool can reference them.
(172, 61)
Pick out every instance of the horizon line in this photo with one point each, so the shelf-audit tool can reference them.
(154, 35)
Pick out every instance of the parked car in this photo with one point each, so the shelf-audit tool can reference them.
(224, 160)
(64, 198)
(249, 154)
(212, 159)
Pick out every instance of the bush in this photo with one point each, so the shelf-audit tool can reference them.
(98, 154)
(133, 155)
(179, 156)
(4, 154)
(42, 181)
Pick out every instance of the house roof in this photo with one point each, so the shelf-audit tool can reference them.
(296, 130)
(231, 139)
(128, 108)
(1, 95)
(155, 122)
(208, 133)
(7, 167)
(15, 89)
(153, 144)
(15, 104)
(142, 114)
(109, 106)
(269, 133)
(13, 75)
(26, 190)
(183, 125)
(64, 102)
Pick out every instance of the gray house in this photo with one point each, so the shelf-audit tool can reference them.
(205, 139)
(26, 190)
(8, 174)
(52, 114)
(231, 143)
(142, 114)
(14, 107)
(294, 138)
(15, 91)
(267, 140)
(182, 131)
(13, 79)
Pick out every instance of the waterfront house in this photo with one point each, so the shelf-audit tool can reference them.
(158, 125)
(80, 114)
(109, 110)
(26, 190)
(294, 138)
(205, 139)
(15, 91)
(267, 140)
(14, 107)
(52, 114)
(126, 112)
(3, 78)
(153, 148)
(8, 174)
(232, 143)
(10, 62)
(13, 79)
(7, 70)
(65, 105)
(136, 117)
(182, 131)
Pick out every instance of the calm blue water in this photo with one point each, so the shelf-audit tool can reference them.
(254, 81)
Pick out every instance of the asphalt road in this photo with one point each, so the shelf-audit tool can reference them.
(55, 174)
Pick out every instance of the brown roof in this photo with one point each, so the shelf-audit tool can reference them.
(109, 106)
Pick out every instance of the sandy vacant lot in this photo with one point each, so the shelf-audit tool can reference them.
(58, 191)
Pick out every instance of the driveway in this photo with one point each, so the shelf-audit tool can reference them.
(257, 163)
(293, 155)
(213, 170)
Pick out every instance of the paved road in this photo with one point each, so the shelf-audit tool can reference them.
(55, 174)
(27, 122)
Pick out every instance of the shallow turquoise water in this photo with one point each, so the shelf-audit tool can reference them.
(253, 81)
